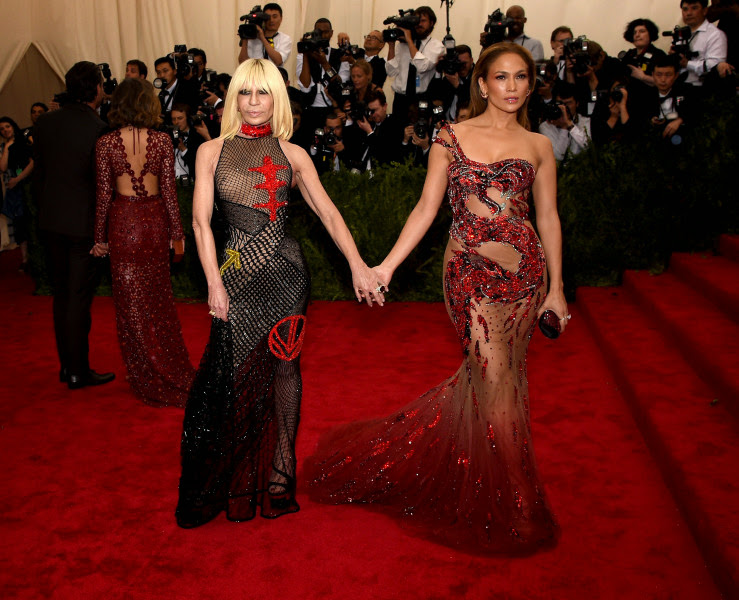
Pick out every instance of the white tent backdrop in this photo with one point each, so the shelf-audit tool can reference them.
(114, 31)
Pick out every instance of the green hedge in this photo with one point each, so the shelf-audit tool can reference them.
(623, 206)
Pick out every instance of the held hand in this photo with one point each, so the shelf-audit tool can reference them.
(624, 97)
(724, 69)
(218, 301)
(408, 35)
(453, 79)
(423, 142)
(100, 250)
(211, 99)
(366, 286)
(383, 275)
(343, 38)
(555, 301)
(12, 182)
(202, 130)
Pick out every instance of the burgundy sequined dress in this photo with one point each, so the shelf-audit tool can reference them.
(457, 464)
(139, 226)
(238, 440)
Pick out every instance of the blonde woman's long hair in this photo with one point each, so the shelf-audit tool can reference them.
(263, 74)
(478, 104)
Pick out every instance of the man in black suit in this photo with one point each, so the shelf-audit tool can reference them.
(64, 169)
(671, 105)
(384, 133)
(174, 90)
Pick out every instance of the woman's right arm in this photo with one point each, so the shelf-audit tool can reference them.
(104, 196)
(422, 215)
(202, 211)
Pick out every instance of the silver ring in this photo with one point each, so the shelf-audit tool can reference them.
(380, 289)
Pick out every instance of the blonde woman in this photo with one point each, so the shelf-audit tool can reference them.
(238, 443)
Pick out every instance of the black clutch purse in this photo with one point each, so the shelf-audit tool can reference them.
(549, 324)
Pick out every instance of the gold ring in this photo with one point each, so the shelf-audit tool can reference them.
(212, 313)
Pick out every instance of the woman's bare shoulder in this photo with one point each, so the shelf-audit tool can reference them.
(211, 147)
(294, 153)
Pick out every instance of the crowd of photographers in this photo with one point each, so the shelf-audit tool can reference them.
(341, 113)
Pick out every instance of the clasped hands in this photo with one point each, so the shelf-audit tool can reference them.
(370, 285)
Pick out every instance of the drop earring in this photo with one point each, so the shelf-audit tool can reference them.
(484, 94)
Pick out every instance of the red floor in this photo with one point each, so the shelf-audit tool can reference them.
(90, 477)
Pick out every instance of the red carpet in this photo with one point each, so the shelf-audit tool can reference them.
(90, 477)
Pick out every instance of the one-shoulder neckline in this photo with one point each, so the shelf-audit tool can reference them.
(464, 156)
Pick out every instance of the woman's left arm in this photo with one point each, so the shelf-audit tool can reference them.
(365, 282)
(550, 230)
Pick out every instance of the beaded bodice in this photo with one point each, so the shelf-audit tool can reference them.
(512, 177)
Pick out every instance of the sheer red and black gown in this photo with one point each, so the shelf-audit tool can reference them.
(138, 215)
(457, 464)
(238, 440)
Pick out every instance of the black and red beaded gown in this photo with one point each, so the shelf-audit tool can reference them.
(238, 440)
(138, 215)
(457, 464)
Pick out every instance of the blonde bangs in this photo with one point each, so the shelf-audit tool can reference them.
(262, 73)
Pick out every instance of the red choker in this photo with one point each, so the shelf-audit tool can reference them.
(256, 131)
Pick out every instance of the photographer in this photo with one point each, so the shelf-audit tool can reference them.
(641, 58)
(173, 89)
(517, 15)
(568, 131)
(453, 89)
(186, 142)
(595, 75)
(319, 66)
(328, 150)
(269, 42)
(136, 69)
(383, 132)
(707, 46)
(373, 45)
(543, 95)
(200, 64)
(611, 121)
(670, 105)
(557, 41)
(412, 61)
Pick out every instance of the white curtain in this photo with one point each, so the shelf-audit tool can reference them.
(114, 31)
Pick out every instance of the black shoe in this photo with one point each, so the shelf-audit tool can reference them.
(64, 375)
(76, 382)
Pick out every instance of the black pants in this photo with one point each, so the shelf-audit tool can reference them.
(73, 276)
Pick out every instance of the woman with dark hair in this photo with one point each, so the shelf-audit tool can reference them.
(137, 222)
(640, 59)
(16, 165)
(458, 462)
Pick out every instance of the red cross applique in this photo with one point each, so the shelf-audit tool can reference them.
(271, 184)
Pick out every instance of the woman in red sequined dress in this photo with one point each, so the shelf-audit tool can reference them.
(457, 464)
(137, 221)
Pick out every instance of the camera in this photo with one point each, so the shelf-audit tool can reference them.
(109, 83)
(576, 50)
(205, 113)
(312, 42)
(681, 41)
(617, 94)
(184, 62)
(450, 63)
(552, 111)
(176, 135)
(406, 20)
(347, 49)
(428, 116)
(254, 18)
(210, 85)
(496, 28)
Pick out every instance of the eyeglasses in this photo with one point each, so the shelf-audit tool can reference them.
(372, 37)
